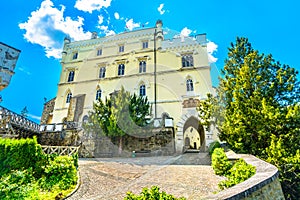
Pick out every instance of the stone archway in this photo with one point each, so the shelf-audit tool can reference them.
(187, 121)
(193, 134)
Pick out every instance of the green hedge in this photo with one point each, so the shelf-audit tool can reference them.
(239, 172)
(19, 154)
(235, 173)
(220, 162)
(27, 173)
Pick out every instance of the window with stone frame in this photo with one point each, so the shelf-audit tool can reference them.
(189, 85)
(187, 60)
(75, 55)
(99, 52)
(121, 48)
(142, 66)
(145, 44)
(102, 72)
(142, 90)
(71, 76)
(121, 69)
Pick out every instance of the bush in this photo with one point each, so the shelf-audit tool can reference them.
(61, 172)
(213, 146)
(239, 172)
(220, 162)
(151, 194)
(18, 154)
(18, 185)
(27, 173)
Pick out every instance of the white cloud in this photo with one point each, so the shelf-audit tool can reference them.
(130, 25)
(160, 9)
(106, 31)
(185, 32)
(46, 23)
(117, 16)
(91, 5)
(100, 19)
(211, 48)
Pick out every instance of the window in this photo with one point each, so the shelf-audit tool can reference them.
(71, 76)
(187, 60)
(99, 52)
(189, 85)
(75, 55)
(142, 68)
(142, 90)
(121, 69)
(69, 96)
(121, 48)
(102, 72)
(98, 94)
(145, 45)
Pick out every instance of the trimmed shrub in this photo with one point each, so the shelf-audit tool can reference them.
(27, 173)
(19, 154)
(239, 172)
(151, 194)
(61, 172)
(213, 146)
(220, 162)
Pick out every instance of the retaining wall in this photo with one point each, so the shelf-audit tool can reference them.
(263, 185)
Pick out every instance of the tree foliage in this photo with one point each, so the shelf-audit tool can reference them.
(257, 109)
(119, 115)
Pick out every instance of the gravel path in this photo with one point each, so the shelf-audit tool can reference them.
(188, 175)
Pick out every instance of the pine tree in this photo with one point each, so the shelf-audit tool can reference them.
(257, 109)
(24, 112)
(119, 115)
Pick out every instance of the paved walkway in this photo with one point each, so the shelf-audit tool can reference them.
(111, 178)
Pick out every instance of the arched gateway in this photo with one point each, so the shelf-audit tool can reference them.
(193, 134)
(190, 134)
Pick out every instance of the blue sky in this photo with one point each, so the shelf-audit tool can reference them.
(38, 28)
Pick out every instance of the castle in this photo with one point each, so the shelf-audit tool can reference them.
(173, 73)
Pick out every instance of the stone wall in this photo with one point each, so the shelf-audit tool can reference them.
(47, 111)
(263, 185)
(62, 138)
(157, 142)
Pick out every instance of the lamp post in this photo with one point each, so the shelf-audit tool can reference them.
(155, 90)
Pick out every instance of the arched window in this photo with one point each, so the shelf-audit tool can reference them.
(69, 96)
(121, 69)
(142, 65)
(142, 90)
(71, 76)
(189, 85)
(98, 94)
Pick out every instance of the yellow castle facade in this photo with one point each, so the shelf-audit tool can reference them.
(174, 74)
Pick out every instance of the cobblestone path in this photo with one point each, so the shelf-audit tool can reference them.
(188, 175)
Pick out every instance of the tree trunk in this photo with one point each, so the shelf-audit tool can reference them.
(120, 145)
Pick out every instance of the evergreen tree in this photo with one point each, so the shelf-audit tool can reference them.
(257, 110)
(119, 115)
(24, 112)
